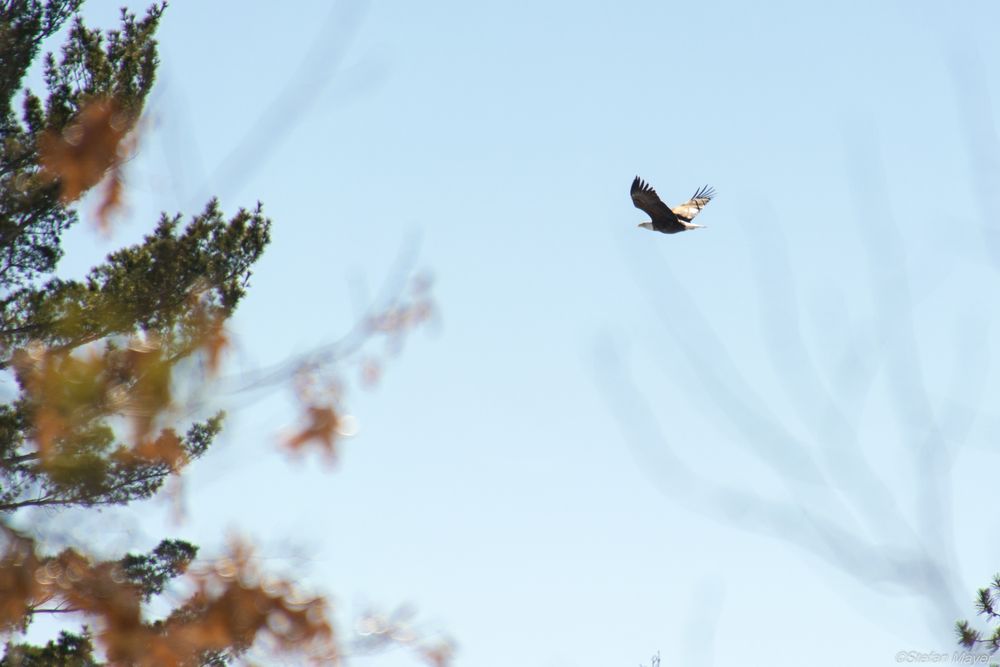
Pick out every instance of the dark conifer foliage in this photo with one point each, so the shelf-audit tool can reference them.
(988, 606)
(69, 650)
(97, 362)
(89, 355)
(167, 289)
(120, 65)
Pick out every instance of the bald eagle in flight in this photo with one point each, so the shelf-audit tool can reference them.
(665, 219)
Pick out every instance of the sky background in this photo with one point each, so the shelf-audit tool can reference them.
(565, 469)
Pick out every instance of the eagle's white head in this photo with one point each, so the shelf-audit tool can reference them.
(646, 225)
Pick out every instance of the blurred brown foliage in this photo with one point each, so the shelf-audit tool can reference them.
(320, 392)
(90, 148)
(104, 364)
(231, 604)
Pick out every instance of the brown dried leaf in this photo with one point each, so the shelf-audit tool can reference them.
(111, 199)
(215, 342)
(86, 149)
(439, 655)
(320, 428)
(166, 448)
(18, 582)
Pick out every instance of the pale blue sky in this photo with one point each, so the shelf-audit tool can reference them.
(492, 484)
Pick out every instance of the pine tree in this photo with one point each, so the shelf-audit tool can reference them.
(88, 353)
(988, 605)
(96, 362)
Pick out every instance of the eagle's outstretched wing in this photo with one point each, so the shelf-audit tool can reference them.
(693, 206)
(645, 199)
